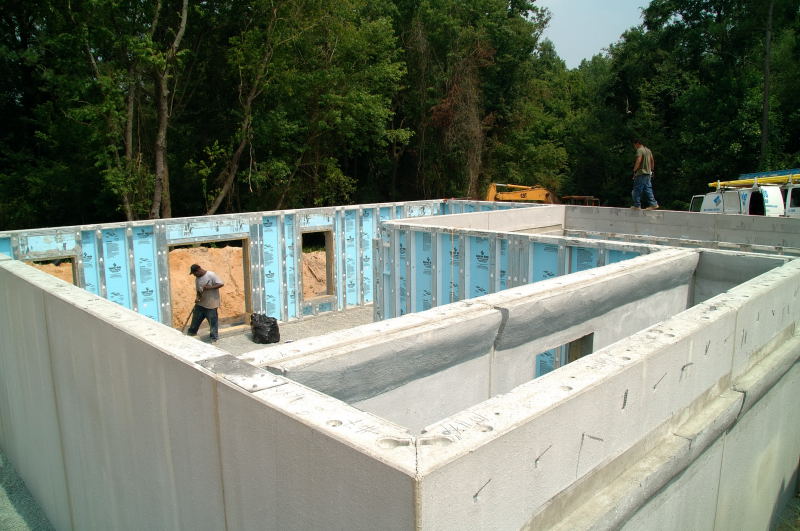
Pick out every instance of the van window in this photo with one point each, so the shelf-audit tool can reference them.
(730, 202)
(697, 202)
(794, 198)
(756, 204)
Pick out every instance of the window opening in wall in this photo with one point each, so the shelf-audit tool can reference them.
(317, 264)
(230, 260)
(62, 268)
(551, 359)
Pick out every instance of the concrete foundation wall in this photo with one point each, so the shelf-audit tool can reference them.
(586, 446)
(113, 423)
(693, 228)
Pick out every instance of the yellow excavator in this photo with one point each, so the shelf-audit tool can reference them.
(535, 194)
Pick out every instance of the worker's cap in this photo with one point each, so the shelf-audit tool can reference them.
(194, 268)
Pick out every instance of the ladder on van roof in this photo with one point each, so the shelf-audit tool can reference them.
(774, 179)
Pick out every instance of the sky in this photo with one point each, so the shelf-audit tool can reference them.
(582, 28)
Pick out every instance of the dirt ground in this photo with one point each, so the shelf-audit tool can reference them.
(226, 262)
(62, 271)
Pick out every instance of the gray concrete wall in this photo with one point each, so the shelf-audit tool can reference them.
(113, 423)
(588, 445)
(756, 231)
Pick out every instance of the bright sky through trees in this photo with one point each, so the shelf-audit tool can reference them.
(582, 28)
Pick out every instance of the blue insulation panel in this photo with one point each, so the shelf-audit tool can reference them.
(583, 258)
(423, 268)
(53, 243)
(91, 273)
(211, 229)
(545, 362)
(351, 261)
(314, 219)
(144, 259)
(5, 246)
(291, 269)
(619, 256)
(545, 261)
(272, 265)
(117, 275)
(367, 234)
(479, 267)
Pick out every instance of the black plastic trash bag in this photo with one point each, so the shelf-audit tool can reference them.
(265, 329)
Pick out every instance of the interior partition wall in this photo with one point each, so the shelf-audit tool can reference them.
(422, 267)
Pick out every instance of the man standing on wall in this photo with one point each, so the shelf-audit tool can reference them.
(207, 301)
(642, 175)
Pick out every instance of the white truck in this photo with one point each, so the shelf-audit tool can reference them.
(764, 194)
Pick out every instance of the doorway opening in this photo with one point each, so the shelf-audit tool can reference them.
(230, 261)
(317, 264)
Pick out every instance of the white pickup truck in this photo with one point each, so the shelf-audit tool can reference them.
(769, 195)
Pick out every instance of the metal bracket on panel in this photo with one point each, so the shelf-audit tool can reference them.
(394, 279)
(377, 280)
(281, 252)
(495, 263)
(248, 377)
(256, 270)
(101, 261)
(162, 258)
(602, 256)
(133, 291)
(564, 259)
(77, 266)
(464, 268)
(434, 269)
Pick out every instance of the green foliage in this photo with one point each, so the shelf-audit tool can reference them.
(308, 103)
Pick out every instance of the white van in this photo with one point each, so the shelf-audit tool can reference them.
(764, 200)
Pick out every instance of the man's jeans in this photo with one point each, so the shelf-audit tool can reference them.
(641, 183)
(198, 314)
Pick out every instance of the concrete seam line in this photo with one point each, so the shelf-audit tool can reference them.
(756, 382)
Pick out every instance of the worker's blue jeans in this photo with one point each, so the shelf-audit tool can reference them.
(198, 314)
(641, 183)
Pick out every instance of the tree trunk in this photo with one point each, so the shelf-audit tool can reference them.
(162, 205)
(763, 162)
